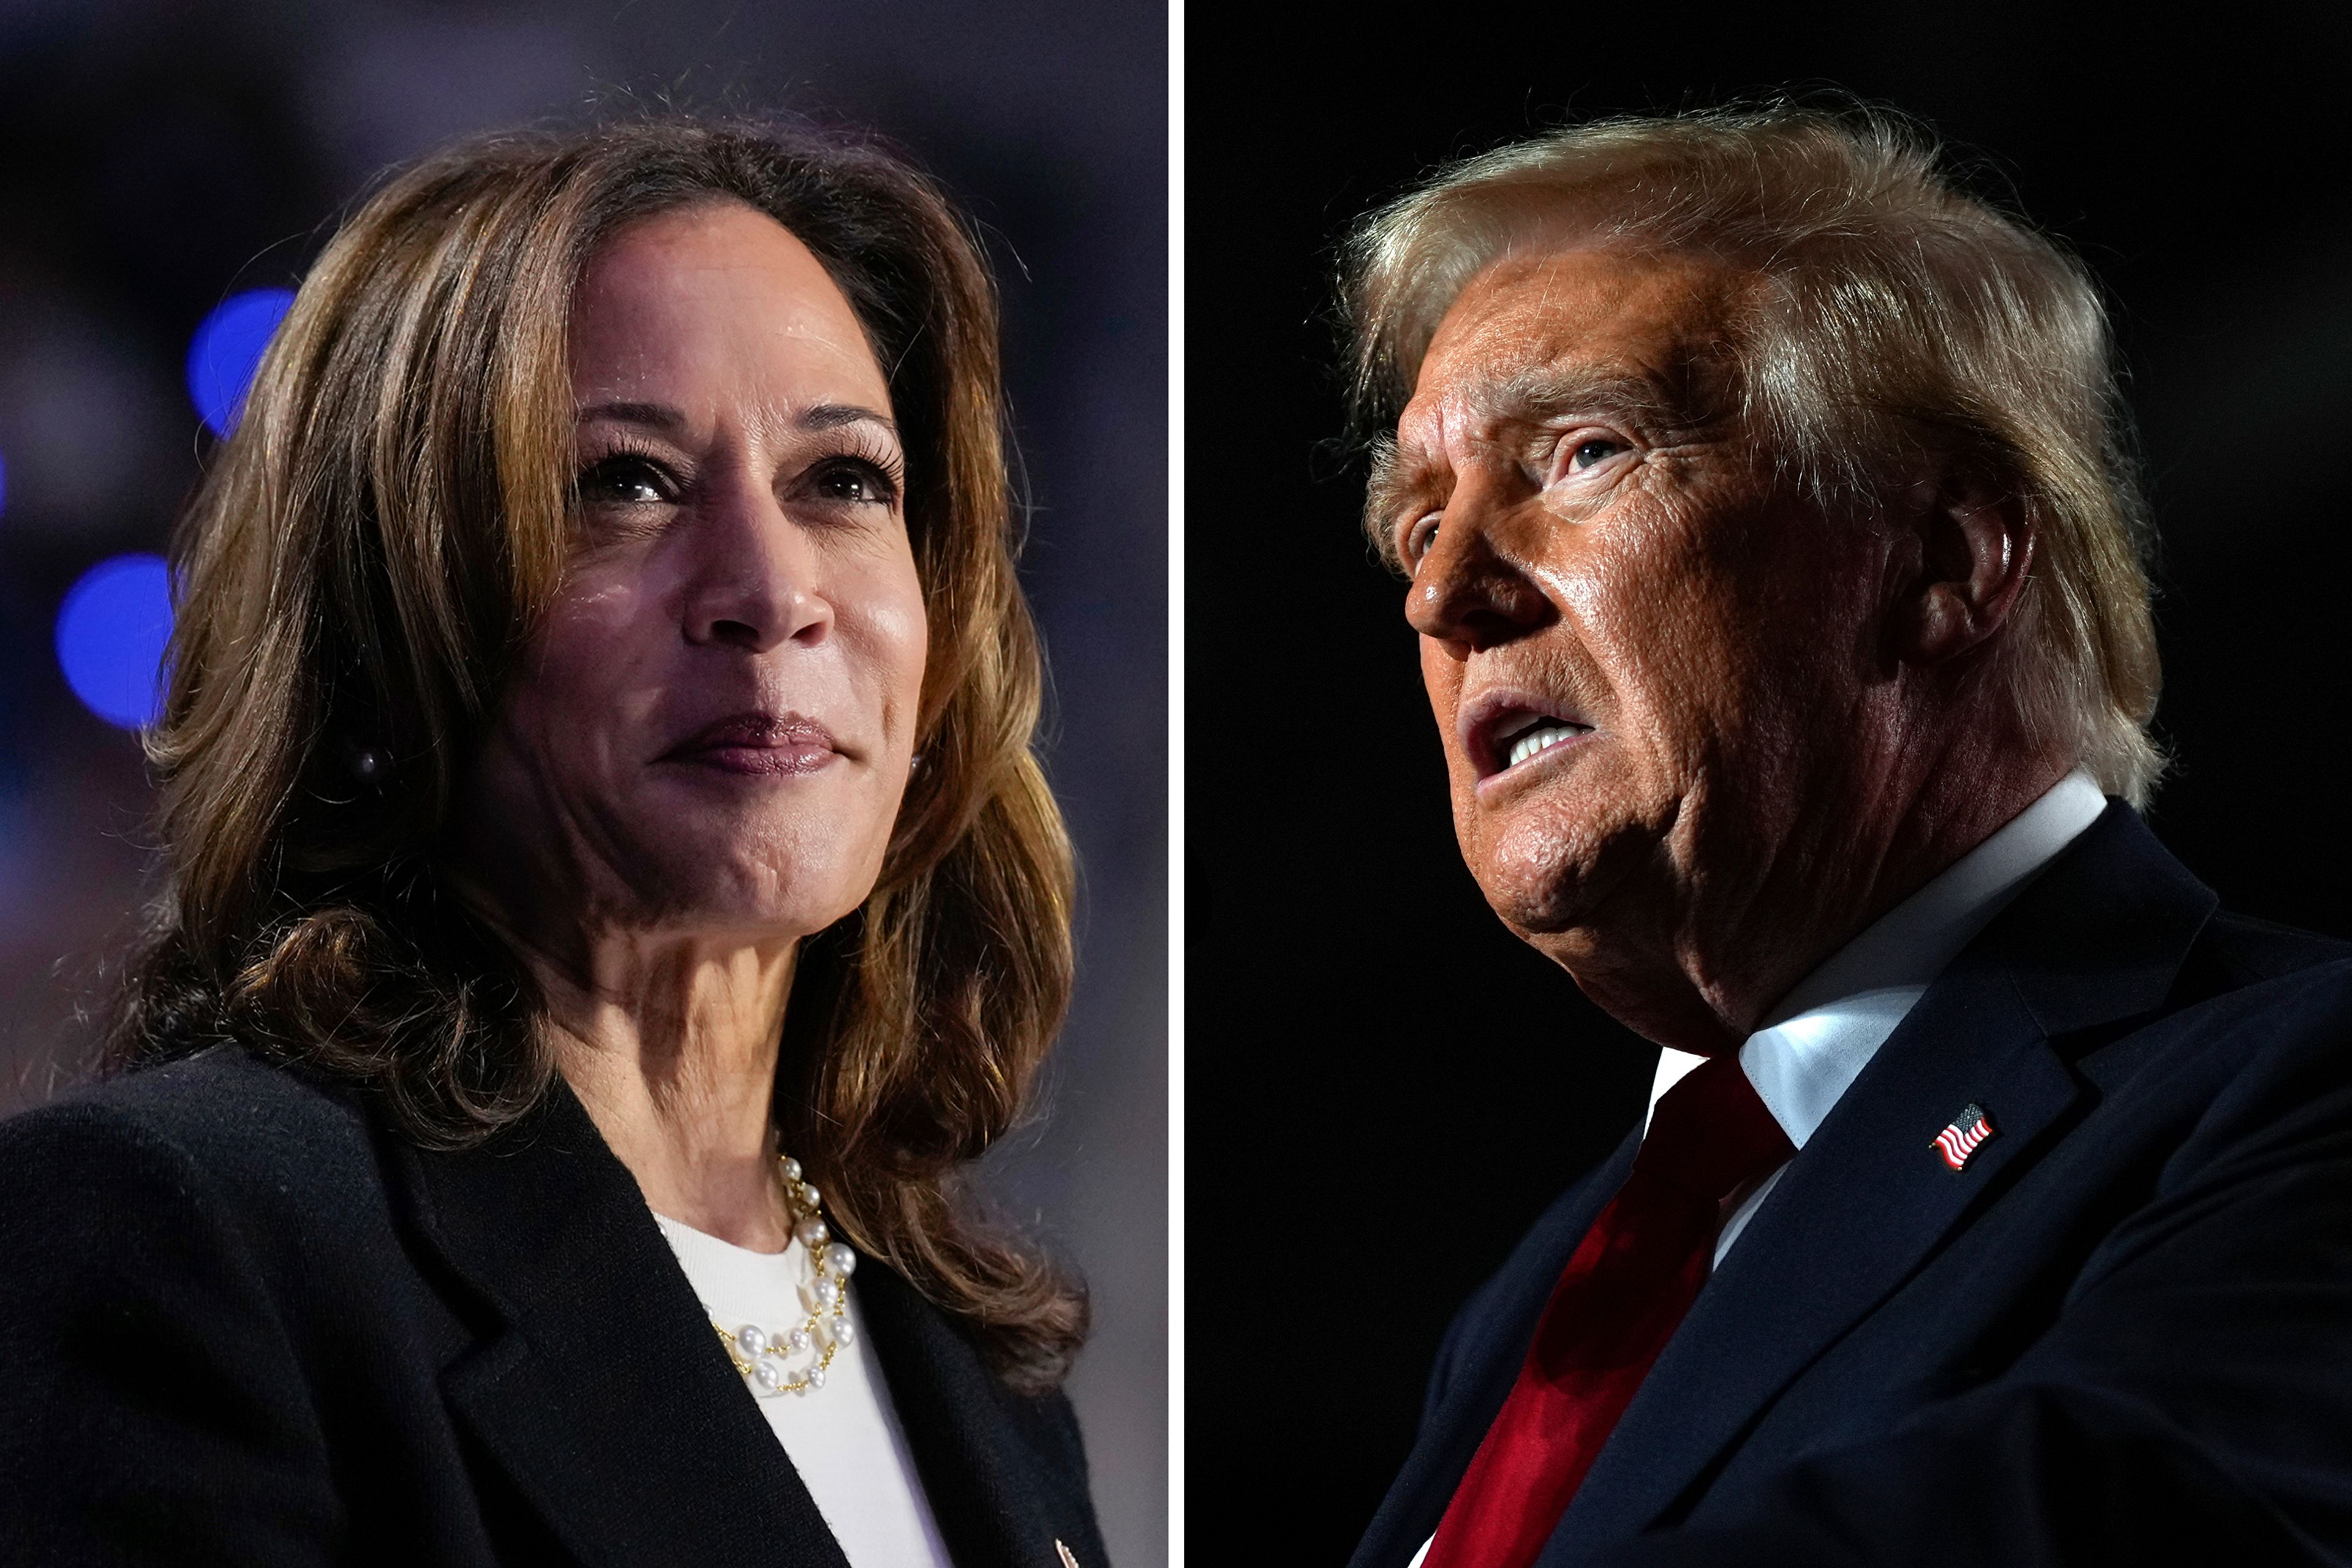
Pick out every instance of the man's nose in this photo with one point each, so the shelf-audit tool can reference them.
(1470, 590)
(758, 577)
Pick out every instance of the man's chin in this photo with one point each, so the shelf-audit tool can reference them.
(1551, 879)
(1542, 911)
(1556, 908)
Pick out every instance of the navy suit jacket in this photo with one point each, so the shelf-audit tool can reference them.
(2123, 1331)
(242, 1321)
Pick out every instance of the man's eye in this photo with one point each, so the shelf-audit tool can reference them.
(1596, 450)
(1420, 537)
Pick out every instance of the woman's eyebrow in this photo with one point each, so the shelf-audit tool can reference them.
(834, 416)
(656, 416)
(662, 416)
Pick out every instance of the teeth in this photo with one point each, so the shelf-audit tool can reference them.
(1542, 737)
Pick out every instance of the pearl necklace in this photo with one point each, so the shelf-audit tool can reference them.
(764, 1360)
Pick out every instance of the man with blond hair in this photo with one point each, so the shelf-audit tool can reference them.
(1774, 551)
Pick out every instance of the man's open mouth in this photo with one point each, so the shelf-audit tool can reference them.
(1503, 727)
(1518, 738)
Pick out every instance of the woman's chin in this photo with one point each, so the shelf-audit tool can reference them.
(782, 825)
(723, 898)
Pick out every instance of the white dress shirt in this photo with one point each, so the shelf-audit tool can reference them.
(1824, 1032)
(844, 1439)
(1813, 1047)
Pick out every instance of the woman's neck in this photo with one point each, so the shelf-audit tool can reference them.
(671, 1045)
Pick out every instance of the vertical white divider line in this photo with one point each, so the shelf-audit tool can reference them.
(1176, 1555)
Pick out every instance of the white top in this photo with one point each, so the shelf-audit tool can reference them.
(1824, 1032)
(844, 1439)
(1816, 1041)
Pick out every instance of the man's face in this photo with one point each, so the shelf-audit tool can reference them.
(1641, 656)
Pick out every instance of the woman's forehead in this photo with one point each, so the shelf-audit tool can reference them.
(718, 301)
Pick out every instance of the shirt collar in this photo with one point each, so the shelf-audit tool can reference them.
(1816, 1042)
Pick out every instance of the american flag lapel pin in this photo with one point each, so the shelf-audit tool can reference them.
(1969, 1132)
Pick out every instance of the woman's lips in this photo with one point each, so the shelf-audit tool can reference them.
(762, 759)
(759, 743)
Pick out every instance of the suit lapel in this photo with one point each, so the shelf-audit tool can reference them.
(1857, 1211)
(2097, 939)
(1003, 1473)
(1478, 1368)
(600, 1387)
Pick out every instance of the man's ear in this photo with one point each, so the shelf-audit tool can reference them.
(1971, 543)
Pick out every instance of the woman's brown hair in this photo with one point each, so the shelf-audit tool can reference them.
(369, 550)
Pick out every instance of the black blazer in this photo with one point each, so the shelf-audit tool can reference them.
(242, 1323)
(2123, 1332)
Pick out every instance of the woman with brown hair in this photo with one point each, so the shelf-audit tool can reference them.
(611, 895)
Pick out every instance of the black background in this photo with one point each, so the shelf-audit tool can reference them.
(1384, 1088)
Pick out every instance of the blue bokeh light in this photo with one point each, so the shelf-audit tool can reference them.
(227, 351)
(111, 632)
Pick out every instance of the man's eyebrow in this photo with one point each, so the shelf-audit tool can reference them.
(663, 417)
(1400, 474)
(1396, 476)
(1540, 392)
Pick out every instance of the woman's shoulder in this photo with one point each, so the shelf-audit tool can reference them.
(220, 1127)
(204, 1295)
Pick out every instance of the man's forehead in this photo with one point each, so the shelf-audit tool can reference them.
(1534, 329)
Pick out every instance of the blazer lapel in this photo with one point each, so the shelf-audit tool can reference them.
(1479, 1367)
(2098, 937)
(1003, 1473)
(600, 1387)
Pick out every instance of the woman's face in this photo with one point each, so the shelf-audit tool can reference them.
(710, 733)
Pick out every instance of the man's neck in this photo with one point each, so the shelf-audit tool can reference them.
(1817, 1039)
(1705, 985)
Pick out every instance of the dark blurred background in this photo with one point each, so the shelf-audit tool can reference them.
(1384, 1086)
(157, 159)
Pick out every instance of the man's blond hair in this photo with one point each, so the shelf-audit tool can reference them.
(1899, 318)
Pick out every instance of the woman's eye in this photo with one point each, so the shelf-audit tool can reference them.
(1597, 450)
(857, 483)
(624, 482)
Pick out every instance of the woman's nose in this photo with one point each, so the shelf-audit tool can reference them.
(757, 583)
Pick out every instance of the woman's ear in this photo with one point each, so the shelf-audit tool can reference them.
(1966, 546)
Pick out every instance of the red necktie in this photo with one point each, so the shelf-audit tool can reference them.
(1618, 1302)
